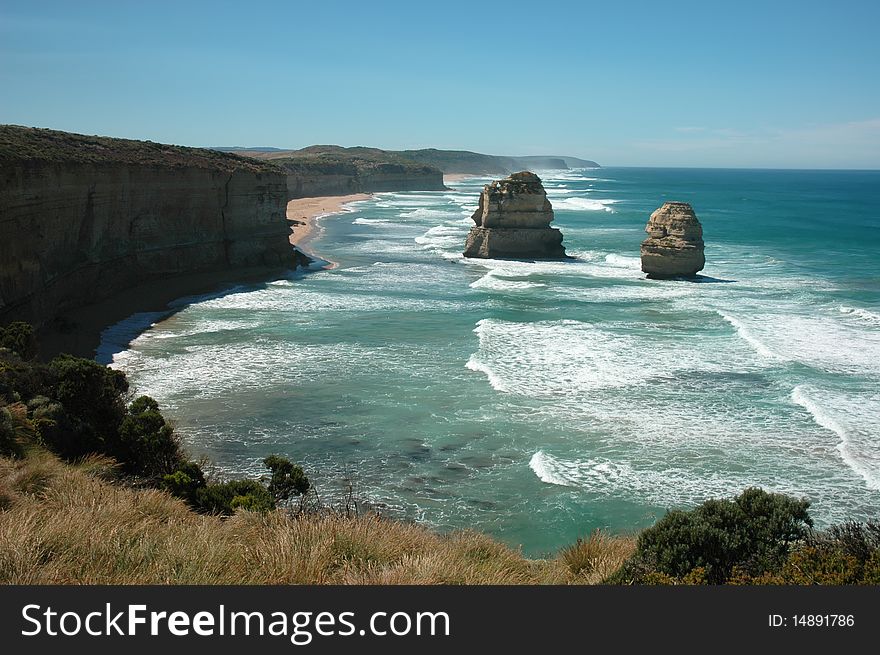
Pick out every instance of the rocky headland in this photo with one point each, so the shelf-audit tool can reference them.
(674, 247)
(373, 169)
(337, 171)
(83, 218)
(513, 221)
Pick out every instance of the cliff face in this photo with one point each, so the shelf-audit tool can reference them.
(513, 221)
(82, 218)
(307, 184)
(335, 171)
(674, 247)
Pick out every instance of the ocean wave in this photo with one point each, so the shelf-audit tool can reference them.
(584, 204)
(373, 221)
(663, 486)
(859, 444)
(862, 314)
(445, 240)
(624, 261)
(747, 336)
(116, 338)
(494, 281)
(568, 358)
(815, 339)
(429, 213)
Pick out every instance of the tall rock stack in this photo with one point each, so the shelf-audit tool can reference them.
(513, 221)
(674, 247)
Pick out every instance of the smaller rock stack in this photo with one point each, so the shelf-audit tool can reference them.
(674, 247)
(513, 221)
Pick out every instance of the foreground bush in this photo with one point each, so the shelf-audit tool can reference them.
(188, 483)
(78, 408)
(754, 532)
(844, 554)
(19, 339)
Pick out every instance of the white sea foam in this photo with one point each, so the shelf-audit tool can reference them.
(584, 204)
(374, 222)
(567, 358)
(862, 314)
(546, 470)
(661, 484)
(430, 213)
(473, 364)
(624, 261)
(116, 338)
(750, 338)
(494, 281)
(855, 421)
(810, 337)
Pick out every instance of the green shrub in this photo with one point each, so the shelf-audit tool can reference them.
(21, 380)
(754, 532)
(844, 554)
(287, 479)
(60, 432)
(91, 394)
(185, 482)
(225, 497)
(19, 338)
(188, 483)
(146, 444)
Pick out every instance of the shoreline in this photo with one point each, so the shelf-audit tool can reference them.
(303, 215)
(80, 331)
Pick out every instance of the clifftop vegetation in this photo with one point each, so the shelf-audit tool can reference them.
(348, 161)
(446, 161)
(19, 143)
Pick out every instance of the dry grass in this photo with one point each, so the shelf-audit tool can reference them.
(70, 525)
(595, 558)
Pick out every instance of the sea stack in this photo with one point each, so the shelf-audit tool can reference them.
(674, 247)
(513, 221)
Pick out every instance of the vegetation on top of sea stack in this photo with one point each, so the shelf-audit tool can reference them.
(18, 143)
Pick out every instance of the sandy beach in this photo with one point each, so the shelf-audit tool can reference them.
(303, 213)
(451, 178)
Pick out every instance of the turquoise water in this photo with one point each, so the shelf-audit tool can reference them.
(538, 401)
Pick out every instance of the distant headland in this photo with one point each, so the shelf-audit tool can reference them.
(447, 161)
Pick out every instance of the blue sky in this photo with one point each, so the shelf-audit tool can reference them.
(764, 84)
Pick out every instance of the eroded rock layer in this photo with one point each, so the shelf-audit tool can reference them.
(674, 247)
(82, 218)
(513, 221)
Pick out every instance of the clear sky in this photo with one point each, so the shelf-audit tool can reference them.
(662, 83)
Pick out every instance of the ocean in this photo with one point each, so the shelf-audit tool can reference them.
(538, 401)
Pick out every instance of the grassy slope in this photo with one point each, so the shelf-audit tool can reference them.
(35, 144)
(448, 161)
(62, 524)
(351, 161)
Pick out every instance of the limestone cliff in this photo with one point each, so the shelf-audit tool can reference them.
(336, 171)
(84, 217)
(674, 247)
(513, 221)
